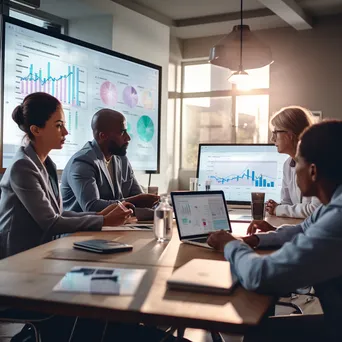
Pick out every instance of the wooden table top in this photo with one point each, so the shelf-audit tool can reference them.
(27, 279)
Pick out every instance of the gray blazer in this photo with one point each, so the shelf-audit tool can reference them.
(87, 184)
(30, 213)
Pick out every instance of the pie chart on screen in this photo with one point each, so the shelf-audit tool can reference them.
(145, 128)
(130, 96)
(147, 99)
(108, 93)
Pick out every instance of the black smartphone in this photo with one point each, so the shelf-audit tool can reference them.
(103, 246)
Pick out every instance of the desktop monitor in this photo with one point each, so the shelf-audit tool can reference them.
(238, 170)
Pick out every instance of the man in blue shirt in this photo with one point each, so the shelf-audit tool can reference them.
(311, 252)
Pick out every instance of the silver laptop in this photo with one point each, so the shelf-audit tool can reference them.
(202, 275)
(199, 213)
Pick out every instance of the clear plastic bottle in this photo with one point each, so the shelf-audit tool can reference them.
(163, 216)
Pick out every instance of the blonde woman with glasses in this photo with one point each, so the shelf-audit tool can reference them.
(287, 125)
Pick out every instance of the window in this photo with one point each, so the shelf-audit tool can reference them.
(39, 18)
(251, 120)
(215, 111)
(205, 120)
(205, 78)
(28, 18)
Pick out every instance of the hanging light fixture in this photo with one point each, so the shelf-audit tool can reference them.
(227, 52)
(240, 77)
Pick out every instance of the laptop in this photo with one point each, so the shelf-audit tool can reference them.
(203, 275)
(199, 213)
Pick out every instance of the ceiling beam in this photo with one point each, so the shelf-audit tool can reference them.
(291, 12)
(224, 17)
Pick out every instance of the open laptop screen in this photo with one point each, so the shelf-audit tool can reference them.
(201, 212)
(241, 169)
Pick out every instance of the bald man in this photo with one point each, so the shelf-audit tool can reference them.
(100, 173)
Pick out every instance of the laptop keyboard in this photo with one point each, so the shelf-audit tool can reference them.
(201, 239)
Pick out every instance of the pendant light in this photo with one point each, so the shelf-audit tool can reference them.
(227, 52)
(240, 77)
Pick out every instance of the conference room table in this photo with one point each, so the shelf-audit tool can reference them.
(27, 280)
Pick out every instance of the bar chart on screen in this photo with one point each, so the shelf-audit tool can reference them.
(248, 173)
(84, 79)
(238, 170)
(66, 82)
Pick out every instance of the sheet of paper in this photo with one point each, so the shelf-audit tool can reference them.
(102, 280)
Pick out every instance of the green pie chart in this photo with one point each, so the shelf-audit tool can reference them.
(129, 130)
(145, 128)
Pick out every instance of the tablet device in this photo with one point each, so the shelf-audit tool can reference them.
(102, 246)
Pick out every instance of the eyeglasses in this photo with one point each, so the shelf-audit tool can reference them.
(276, 131)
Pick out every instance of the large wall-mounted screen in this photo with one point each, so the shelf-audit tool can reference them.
(85, 78)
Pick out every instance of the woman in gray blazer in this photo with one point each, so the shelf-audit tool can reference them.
(30, 205)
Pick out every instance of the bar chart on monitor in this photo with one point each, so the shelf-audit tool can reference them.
(239, 170)
(247, 173)
(66, 82)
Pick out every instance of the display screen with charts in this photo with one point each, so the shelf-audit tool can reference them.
(85, 78)
(239, 170)
(200, 214)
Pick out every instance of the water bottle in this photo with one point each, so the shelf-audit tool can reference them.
(163, 220)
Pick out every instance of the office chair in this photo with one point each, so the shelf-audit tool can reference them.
(32, 321)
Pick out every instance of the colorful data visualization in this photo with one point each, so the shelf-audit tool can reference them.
(84, 79)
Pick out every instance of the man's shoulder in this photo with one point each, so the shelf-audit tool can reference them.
(85, 155)
(87, 152)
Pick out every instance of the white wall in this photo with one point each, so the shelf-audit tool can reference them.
(144, 38)
(95, 29)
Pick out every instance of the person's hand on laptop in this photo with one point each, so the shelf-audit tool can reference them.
(143, 200)
(218, 240)
(260, 225)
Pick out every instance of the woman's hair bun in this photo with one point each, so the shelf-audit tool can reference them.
(18, 117)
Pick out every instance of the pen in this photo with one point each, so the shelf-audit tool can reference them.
(121, 205)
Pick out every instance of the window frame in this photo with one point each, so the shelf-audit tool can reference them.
(233, 93)
(38, 14)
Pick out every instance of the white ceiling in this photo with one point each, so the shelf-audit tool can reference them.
(181, 9)
(171, 11)
(321, 7)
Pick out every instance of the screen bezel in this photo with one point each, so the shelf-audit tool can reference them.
(196, 193)
(199, 160)
(9, 20)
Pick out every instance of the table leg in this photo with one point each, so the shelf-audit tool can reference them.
(180, 333)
